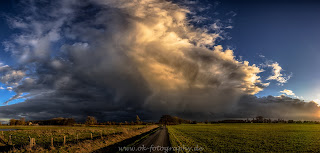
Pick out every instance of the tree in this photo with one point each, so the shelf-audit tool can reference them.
(138, 121)
(18, 122)
(22, 121)
(55, 121)
(13, 122)
(91, 120)
(171, 120)
(259, 119)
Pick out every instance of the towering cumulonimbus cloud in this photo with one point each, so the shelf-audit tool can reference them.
(115, 58)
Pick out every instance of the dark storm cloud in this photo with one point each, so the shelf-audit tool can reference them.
(115, 59)
(276, 107)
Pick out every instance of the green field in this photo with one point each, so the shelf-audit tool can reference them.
(246, 137)
(20, 138)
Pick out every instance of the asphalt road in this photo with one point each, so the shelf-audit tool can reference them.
(158, 140)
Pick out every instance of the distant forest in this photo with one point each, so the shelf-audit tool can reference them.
(165, 120)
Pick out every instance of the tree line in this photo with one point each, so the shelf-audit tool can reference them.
(54, 121)
(165, 119)
(90, 120)
(21, 121)
(173, 120)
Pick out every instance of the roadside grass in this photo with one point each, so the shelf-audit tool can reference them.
(130, 142)
(239, 137)
(76, 137)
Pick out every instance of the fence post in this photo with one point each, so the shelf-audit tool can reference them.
(10, 141)
(52, 142)
(91, 136)
(64, 140)
(31, 144)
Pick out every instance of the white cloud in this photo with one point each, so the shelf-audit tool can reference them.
(288, 92)
(265, 84)
(12, 77)
(18, 23)
(4, 67)
(17, 96)
(262, 56)
(215, 26)
(317, 101)
(277, 74)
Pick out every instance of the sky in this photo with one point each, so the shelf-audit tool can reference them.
(282, 31)
(196, 59)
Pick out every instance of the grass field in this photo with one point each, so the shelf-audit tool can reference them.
(253, 137)
(74, 136)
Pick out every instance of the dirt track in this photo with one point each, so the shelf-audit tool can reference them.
(154, 138)
(159, 138)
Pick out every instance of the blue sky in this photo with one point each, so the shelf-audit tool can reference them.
(6, 7)
(283, 31)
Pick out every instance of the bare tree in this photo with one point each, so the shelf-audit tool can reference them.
(91, 120)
